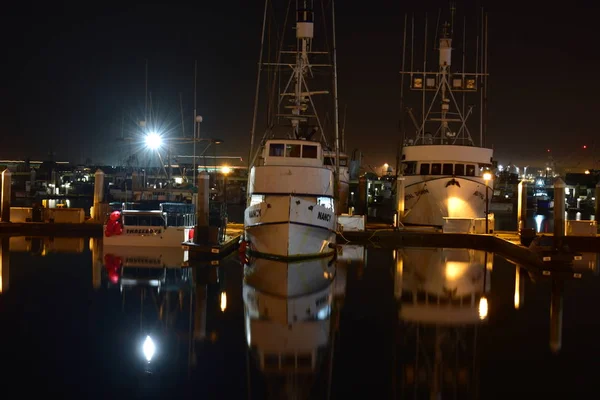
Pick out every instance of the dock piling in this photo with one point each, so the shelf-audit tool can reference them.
(98, 194)
(362, 196)
(522, 205)
(201, 233)
(6, 186)
(399, 201)
(559, 211)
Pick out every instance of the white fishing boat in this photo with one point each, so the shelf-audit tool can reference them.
(443, 168)
(155, 228)
(291, 208)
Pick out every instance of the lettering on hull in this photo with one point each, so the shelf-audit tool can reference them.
(143, 231)
(478, 194)
(323, 216)
(254, 213)
(417, 193)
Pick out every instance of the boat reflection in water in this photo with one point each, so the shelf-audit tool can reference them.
(288, 324)
(443, 299)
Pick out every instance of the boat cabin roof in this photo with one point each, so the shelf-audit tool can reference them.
(142, 212)
(293, 152)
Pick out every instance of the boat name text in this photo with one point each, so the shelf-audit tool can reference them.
(324, 216)
(417, 194)
(144, 231)
(479, 194)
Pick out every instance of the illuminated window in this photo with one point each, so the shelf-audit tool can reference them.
(326, 202)
(430, 82)
(470, 83)
(418, 83)
(457, 83)
(256, 199)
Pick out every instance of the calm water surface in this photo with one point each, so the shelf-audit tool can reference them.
(78, 319)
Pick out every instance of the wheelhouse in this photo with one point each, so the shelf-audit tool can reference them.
(293, 152)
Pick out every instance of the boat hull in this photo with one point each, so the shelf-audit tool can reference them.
(289, 227)
(429, 199)
(152, 236)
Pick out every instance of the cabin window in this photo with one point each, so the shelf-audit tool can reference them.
(292, 150)
(410, 168)
(459, 169)
(470, 170)
(329, 161)
(424, 169)
(448, 169)
(276, 149)
(309, 151)
(326, 202)
(256, 199)
(143, 220)
(436, 169)
(343, 162)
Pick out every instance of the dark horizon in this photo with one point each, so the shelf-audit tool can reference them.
(72, 76)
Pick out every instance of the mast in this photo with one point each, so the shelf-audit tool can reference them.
(444, 120)
(256, 95)
(336, 111)
(295, 103)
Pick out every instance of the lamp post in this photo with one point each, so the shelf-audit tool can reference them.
(487, 176)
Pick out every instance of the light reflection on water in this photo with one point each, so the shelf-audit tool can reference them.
(542, 222)
(392, 323)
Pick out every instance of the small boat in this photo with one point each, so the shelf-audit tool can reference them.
(170, 225)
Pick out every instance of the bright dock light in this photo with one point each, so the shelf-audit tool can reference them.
(149, 348)
(225, 170)
(153, 141)
(487, 176)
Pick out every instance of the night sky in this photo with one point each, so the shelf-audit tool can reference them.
(71, 74)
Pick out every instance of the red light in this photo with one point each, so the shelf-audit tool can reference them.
(585, 146)
(548, 150)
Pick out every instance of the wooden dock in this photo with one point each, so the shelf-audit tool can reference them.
(56, 229)
(207, 252)
(506, 244)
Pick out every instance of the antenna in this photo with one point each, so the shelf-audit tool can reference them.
(257, 92)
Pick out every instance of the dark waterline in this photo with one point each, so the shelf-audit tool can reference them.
(60, 335)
